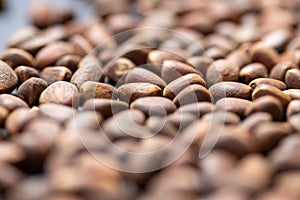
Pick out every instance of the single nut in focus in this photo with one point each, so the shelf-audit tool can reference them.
(55, 73)
(132, 91)
(267, 81)
(173, 88)
(230, 89)
(253, 71)
(292, 79)
(140, 75)
(172, 69)
(31, 89)
(191, 94)
(222, 70)
(24, 73)
(8, 78)
(60, 92)
(154, 105)
(263, 90)
(119, 68)
(91, 89)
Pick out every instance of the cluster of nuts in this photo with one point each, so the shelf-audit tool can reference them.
(227, 90)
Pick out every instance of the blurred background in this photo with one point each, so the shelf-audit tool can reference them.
(14, 14)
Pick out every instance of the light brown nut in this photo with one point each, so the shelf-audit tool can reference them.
(82, 46)
(293, 93)
(253, 71)
(55, 73)
(11, 102)
(191, 94)
(58, 112)
(293, 108)
(267, 81)
(263, 90)
(157, 58)
(60, 92)
(222, 70)
(8, 78)
(3, 115)
(21, 35)
(119, 69)
(230, 89)
(31, 89)
(264, 54)
(201, 63)
(278, 71)
(255, 119)
(91, 89)
(198, 109)
(172, 69)
(140, 75)
(292, 79)
(239, 57)
(24, 73)
(173, 88)
(132, 91)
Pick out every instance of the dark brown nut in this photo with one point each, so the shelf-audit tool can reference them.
(269, 134)
(8, 78)
(31, 90)
(3, 115)
(21, 35)
(96, 34)
(267, 81)
(194, 20)
(230, 89)
(24, 73)
(55, 73)
(90, 69)
(264, 54)
(105, 9)
(293, 108)
(222, 70)
(293, 93)
(18, 119)
(82, 47)
(201, 63)
(138, 56)
(119, 69)
(157, 58)
(191, 94)
(294, 121)
(107, 107)
(278, 71)
(48, 55)
(253, 71)
(16, 57)
(69, 61)
(172, 70)
(60, 92)
(263, 90)
(239, 57)
(128, 123)
(235, 105)
(267, 104)
(255, 119)
(292, 79)
(132, 91)
(91, 89)
(198, 109)
(140, 75)
(154, 105)
(58, 112)
(177, 85)
(11, 102)
(277, 38)
(221, 117)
